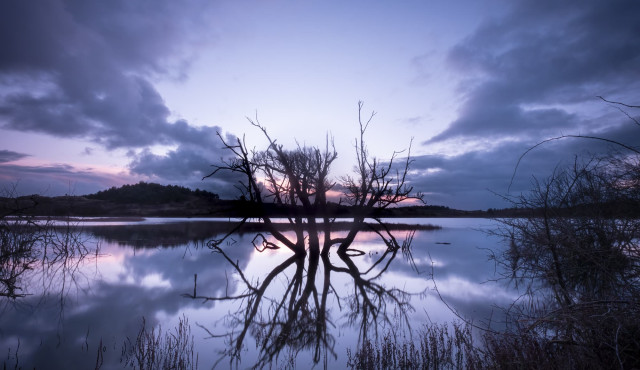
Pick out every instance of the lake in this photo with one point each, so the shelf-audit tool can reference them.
(243, 307)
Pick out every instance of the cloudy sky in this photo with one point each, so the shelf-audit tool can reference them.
(95, 94)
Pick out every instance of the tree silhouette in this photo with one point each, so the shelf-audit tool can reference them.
(150, 193)
(576, 256)
(299, 180)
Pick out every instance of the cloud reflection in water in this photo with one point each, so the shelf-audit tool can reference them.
(319, 305)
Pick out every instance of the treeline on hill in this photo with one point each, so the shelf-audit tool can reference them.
(155, 200)
(141, 200)
(150, 193)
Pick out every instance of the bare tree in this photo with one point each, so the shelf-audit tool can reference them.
(299, 181)
(580, 239)
(577, 259)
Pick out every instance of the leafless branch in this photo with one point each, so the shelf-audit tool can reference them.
(618, 103)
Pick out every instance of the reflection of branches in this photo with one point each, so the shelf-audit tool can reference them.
(288, 321)
(219, 241)
(369, 300)
(469, 323)
(298, 322)
(16, 256)
(392, 243)
(30, 245)
(298, 317)
(266, 244)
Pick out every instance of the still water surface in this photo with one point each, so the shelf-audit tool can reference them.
(83, 312)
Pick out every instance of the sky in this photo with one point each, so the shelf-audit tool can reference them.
(95, 94)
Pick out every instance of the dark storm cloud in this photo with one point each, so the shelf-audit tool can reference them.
(188, 164)
(479, 179)
(10, 156)
(543, 54)
(83, 69)
(530, 75)
(176, 164)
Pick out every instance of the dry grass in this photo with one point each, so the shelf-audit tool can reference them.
(152, 349)
(438, 346)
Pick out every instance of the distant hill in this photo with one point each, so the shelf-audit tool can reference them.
(150, 193)
(141, 199)
(154, 200)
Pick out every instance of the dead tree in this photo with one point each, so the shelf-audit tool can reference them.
(576, 257)
(299, 180)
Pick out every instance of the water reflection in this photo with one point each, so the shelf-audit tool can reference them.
(267, 307)
(60, 327)
(38, 257)
(288, 307)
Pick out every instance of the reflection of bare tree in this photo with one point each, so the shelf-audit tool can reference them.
(37, 249)
(16, 256)
(368, 303)
(298, 318)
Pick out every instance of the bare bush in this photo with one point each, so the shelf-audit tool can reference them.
(577, 260)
